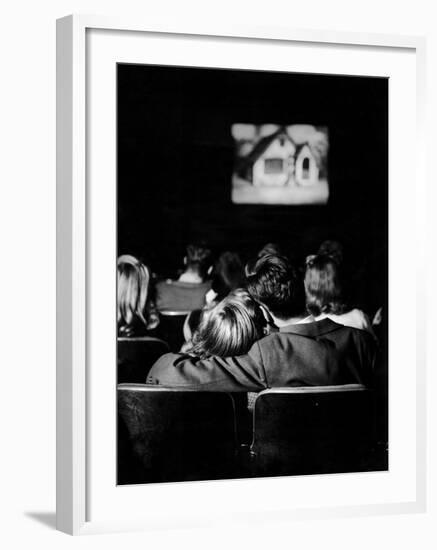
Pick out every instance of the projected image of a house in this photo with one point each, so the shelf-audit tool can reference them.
(280, 164)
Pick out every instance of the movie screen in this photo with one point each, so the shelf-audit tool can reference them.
(277, 164)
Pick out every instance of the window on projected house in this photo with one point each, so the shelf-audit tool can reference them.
(273, 166)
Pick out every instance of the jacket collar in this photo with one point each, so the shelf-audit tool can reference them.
(314, 329)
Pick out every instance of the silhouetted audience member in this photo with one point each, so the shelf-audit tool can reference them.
(227, 275)
(272, 249)
(315, 353)
(136, 312)
(188, 291)
(334, 249)
(324, 294)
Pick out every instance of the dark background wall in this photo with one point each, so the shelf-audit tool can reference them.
(176, 154)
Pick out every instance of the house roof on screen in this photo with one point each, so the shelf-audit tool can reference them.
(260, 149)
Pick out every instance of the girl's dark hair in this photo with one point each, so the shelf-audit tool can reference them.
(228, 274)
(334, 249)
(229, 328)
(323, 286)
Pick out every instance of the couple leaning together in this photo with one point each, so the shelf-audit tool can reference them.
(257, 338)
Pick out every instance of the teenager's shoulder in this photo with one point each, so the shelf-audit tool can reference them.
(354, 318)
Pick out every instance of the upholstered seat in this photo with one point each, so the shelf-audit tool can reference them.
(136, 356)
(174, 435)
(171, 327)
(312, 430)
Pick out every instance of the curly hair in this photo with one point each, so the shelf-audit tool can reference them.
(273, 281)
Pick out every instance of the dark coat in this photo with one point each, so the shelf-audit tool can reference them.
(308, 354)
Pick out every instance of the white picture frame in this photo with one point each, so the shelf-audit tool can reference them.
(74, 345)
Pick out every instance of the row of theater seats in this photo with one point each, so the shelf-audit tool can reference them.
(136, 355)
(179, 435)
(171, 325)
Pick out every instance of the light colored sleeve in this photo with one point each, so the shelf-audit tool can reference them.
(362, 321)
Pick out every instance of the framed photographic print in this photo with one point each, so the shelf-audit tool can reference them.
(233, 211)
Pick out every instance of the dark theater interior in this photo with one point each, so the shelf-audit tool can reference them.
(305, 390)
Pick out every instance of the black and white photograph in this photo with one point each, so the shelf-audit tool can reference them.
(252, 274)
(222, 217)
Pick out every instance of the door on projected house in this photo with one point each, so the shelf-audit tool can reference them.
(307, 171)
(306, 168)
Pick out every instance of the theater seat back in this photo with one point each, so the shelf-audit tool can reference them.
(312, 430)
(136, 356)
(171, 326)
(174, 435)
